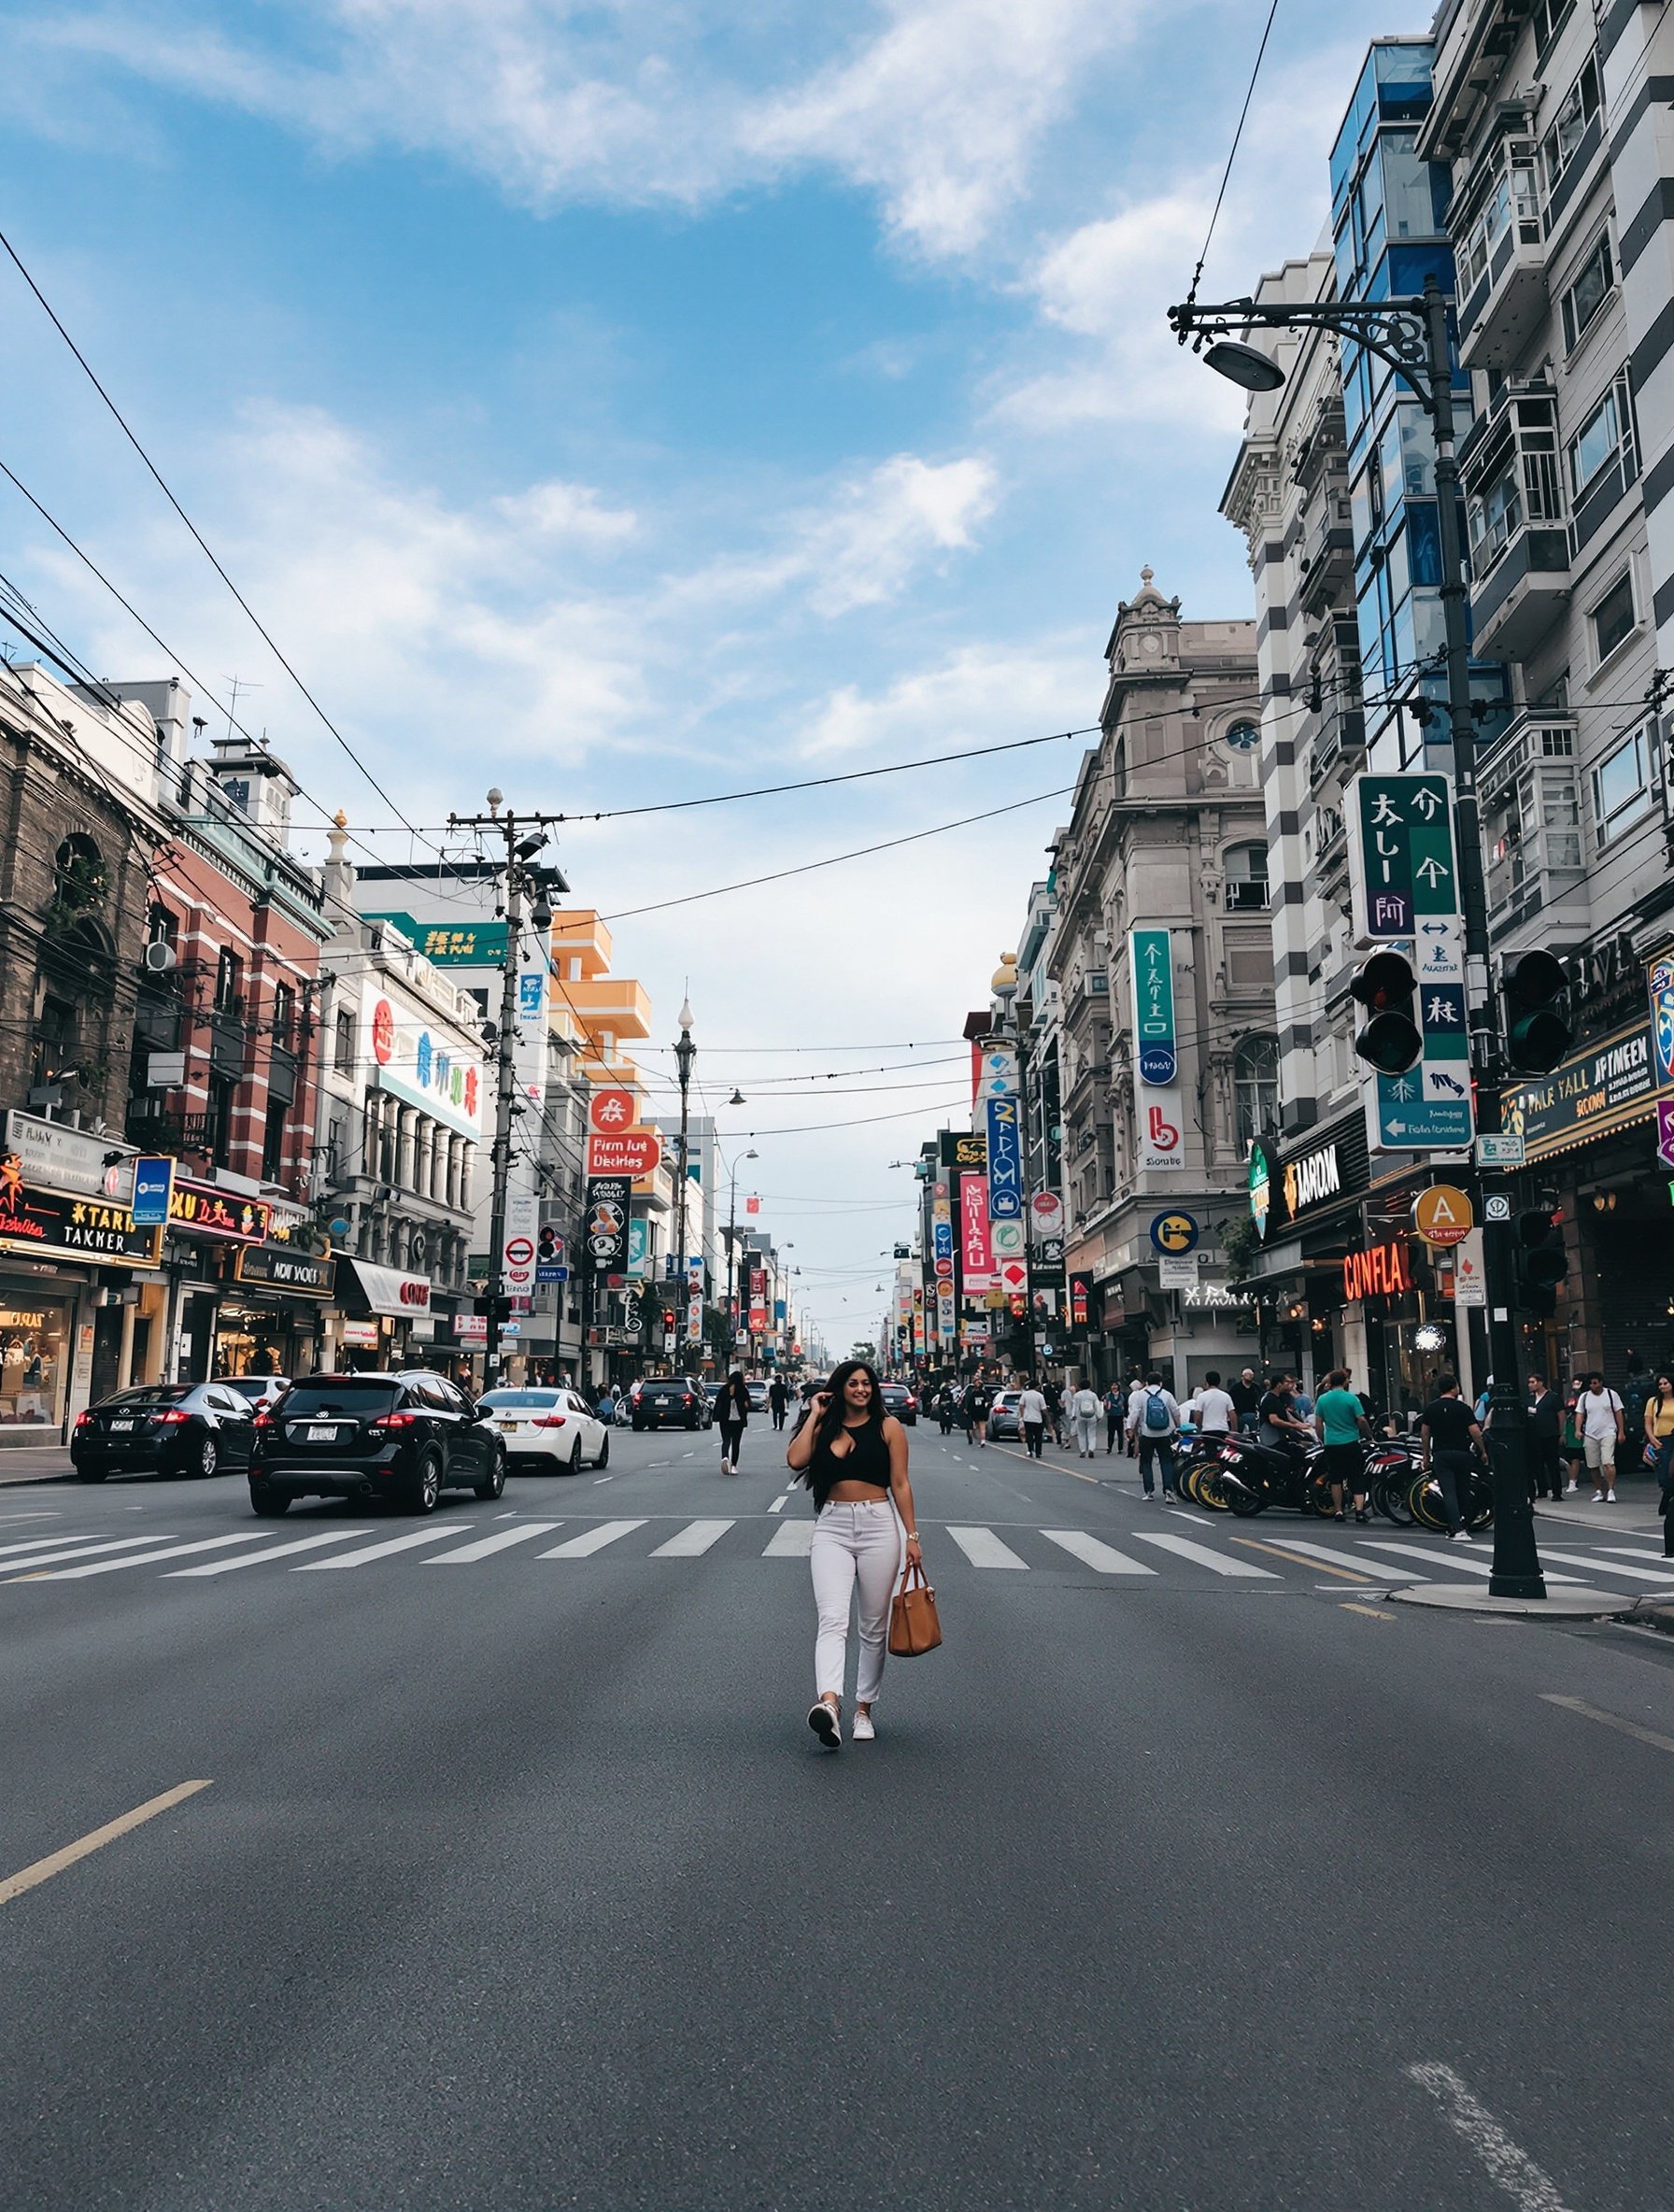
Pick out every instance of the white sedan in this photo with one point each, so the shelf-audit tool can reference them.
(546, 1423)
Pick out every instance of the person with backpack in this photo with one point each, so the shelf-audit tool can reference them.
(1115, 1411)
(1085, 1408)
(1152, 1424)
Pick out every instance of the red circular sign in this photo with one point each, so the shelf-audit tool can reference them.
(519, 1253)
(610, 1111)
(383, 1033)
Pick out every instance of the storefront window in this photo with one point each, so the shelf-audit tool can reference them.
(34, 1340)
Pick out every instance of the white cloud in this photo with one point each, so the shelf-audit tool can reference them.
(975, 695)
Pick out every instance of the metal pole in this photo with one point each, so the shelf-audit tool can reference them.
(1516, 1559)
(685, 1053)
(505, 1093)
(731, 1335)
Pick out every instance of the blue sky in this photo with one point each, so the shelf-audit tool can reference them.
(627, 401)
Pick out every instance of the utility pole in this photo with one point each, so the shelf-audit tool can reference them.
(731, 1247)
(523, 836)
(686, 1052)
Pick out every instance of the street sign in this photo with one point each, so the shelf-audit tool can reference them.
(1497, 1207)
(633, 1153)
(1178, 1271)
(1006, 1238)
(1005, 1161)
(1401, 864)
(1665, 1132)
(519, 1264)
(997, 1073)
(1499, 1152)
(1471, 1281)
(1161, 1117)
(1442, 1214)
(1151, 963)
(1175, 1233)
(610, 1110)
(153, 1188)
(1045, 1215)
(1430, 1108)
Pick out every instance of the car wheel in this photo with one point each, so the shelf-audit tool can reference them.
(603, 1459)
(208, 1457)
(423, 1491)
(574, 1463)
(268, 1502)
(493, 1483)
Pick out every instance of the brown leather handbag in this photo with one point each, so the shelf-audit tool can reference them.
(913, 1626)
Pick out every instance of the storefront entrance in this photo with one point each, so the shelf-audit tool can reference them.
(34, 1360)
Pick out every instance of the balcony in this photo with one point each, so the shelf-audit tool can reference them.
(1518, 523)
(1327, 552)
(1502, 262)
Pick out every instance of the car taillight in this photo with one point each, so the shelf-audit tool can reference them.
(84, 1421)
(550, 1419)
(172, 1419)
(686, 1399)
(386, 1420)
(265, 1421)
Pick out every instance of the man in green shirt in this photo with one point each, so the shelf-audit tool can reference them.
(1339, 1419)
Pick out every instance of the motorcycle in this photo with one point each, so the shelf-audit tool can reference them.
(1251, 1477)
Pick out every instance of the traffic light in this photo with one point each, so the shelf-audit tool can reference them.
(1541, 1261)
(1537, 1036)
(493, 1308)
(1391, 1039)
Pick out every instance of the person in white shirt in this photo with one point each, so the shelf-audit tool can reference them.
(1152, 1424)
(1031, 1419)
(1086, 1409)
(1599, 1417)
(1210, 1407)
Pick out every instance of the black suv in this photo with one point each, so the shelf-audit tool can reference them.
(671, 1401)
(403, 1437)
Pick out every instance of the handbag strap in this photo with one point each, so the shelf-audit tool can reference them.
(907, 1574)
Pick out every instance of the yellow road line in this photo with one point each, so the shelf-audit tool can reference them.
(1301, 1559)
(55, 1862)
(1371, 1611)
(1591, 1712)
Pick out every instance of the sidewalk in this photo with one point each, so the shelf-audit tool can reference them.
(1635, 1511)
(36, 1462)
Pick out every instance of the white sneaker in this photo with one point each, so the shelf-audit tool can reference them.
(1461, 1536)
(1571, 1491)
(823, 1719)
(863, 1731)
(1598, 1496)
(1609, 1497)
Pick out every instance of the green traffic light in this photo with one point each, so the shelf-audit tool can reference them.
(1392, 1043)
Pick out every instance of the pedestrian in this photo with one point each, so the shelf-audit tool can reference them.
(1575, 1451)
(1451, 1436)
(1545, 1431)
(1053, 1391)
(1152, 1424)
(731, 1413)
(1031, 1418)
(1659, 1441)
(945, 1408)
(778, 1399)
(979, 1401)
(1301, 1399)
(1246, 1400)
(1280, 1430)
(1343, 1430)
(1211, 1408)
(1085, 1408)
(853, 1457)
(1635, 1389)
(607, 1405)
(1599, 1417)
(1116, 1412)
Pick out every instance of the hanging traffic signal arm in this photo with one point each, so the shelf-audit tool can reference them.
(1390, 1040)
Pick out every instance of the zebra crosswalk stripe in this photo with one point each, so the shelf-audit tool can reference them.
(485, 1547)
(116, 1567)
(791, 1539)
(1450, 1559)
(1603, 1567)
(227, 1567)
(383, 1551)
(45, 1544)
(81, 1551)
(1091, 1553)
(595, 1539)
(694, 1539)
(1217, 1562)
(983, 1548)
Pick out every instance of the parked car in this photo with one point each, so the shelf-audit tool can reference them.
(1003, 1415)
(757, 1397)
(163, 1428)
(898, 1400)
(401, 1437)
(547, 1427)
(671, 1401)
(256, 1390)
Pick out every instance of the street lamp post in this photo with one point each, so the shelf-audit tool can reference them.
(1411, 334)
(686, 1052)
(732, 1246)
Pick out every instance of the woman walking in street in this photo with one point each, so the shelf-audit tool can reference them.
(1659, 1445)
(732, 1410)
(1115, 1413)
(853, 1457)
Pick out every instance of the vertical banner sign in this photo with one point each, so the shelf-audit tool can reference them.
(1081, 1291)
(1401, 862)
(694, 1318)
(997, 1073)
(522, 1235)
(1660, 977)
(1005, 1161)
(1159, 1127)
(1430, 1107)
(639, 1248)
(1151, 959)
(607, 1197)
(976, 1253)
(946, 1311)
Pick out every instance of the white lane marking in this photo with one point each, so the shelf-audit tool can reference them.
(791, 1539)
(7, 1520)
(227, 1567)
(1449, 1556)
(486, 1546)
(778, 1505)
(1091, 1553)
(583, 1547)
(688, 1455)
(659, 1463)
(598, 1479)
(80, 1550)
(1622, 1552)
(1180, 1514)
(511, 1516)
(394, 1543)
(983, 1548)
(1507, 2166)
(691, 1541)
(1347, 1560)
(1217, 1562)
(1665, 1579)
(115, 1566)
(1591, 1712)
(43, 1543)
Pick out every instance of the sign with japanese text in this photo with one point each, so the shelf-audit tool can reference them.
(1430, 1108)
(1401, 861)
(449, 945)
(1006, 1160)
(417, 1060)
(976, 1253)
(204, 1210)
(1151, 958)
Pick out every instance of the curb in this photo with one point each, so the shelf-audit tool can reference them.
(1651, 1612)
(1562, 1605)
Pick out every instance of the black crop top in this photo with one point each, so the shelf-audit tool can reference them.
(869, 1462)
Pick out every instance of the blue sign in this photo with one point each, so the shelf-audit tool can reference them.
(153, 1188)
(1174, 1232)
(547, 1271)
(1005, 1161)
(1158, 1063)
(944, 1240)
(530, 988)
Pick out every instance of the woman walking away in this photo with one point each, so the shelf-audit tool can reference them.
(732, 1410)
(1659, 1448)
(853, 1457)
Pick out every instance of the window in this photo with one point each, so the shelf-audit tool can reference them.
(1255, 1087)
(228, 973)
(1246, 879)
(1593, 446)
(1549, 16)
(273, 1142)
(1612, 618)
(220, 1119)
(343, 1039)
(57, 1050)
(284, 1014)
(1586, 295)
(1243, 737)
(1576, 110)
(1621, 789)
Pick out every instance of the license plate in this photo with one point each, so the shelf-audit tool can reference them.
(322, 1436)
(116, 1424)
(508, 1426)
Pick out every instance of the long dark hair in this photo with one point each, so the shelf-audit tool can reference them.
(831, 1421)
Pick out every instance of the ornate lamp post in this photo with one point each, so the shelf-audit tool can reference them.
(686, 1052)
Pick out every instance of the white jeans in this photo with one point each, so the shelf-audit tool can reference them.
(854, 1547)
(1086, 1425)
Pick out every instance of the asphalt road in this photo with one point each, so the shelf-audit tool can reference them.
(1168, 1883)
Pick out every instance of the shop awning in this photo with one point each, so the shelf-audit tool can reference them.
(384, 1290)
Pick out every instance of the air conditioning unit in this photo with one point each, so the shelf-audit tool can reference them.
(159, 957)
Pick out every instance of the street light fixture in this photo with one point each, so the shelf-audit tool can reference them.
(731, 1247)
(1411, 336)
(686, 1052)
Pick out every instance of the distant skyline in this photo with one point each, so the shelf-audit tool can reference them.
(627, 404)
